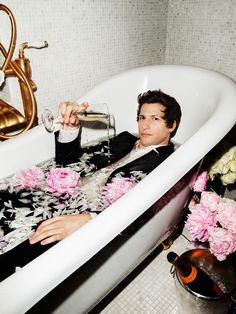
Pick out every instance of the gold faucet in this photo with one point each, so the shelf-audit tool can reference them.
(12, 120)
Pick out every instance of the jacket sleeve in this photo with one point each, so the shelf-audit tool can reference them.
(102, 154)
(67, 153)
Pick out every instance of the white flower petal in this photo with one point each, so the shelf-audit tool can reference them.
(228, 178)
(232, 166)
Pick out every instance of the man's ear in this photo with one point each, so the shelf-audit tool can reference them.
(173, 126)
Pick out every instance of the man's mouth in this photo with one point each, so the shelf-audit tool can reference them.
(146, 134)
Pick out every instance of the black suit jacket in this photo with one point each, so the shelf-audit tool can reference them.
(120, 146)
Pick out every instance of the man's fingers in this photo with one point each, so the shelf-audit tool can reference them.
(85, 105)
(49, 222)
(54, 238)
(44, 234)
(57, 228)
(68, 110)
(47, 229)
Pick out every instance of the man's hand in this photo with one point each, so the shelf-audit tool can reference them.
(68, 113)
(58, 228)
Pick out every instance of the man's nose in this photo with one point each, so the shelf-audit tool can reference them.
(146, 124)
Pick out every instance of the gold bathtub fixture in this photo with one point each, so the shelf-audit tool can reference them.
(12, 120)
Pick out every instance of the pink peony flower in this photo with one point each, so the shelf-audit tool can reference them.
(226, 214)
(63, 181)
(222, 242)
(200, 222)
(226, 204)
(29, 178)
(200, 183)
(118, 186)
(210, 200)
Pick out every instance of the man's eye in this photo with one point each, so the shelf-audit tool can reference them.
(141, 118)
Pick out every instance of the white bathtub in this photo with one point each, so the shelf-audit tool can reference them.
(208, 102)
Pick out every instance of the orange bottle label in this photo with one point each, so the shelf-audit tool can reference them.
(191, 277)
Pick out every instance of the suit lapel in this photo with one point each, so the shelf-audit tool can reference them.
(147, 162)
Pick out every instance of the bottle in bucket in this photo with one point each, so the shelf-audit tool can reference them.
(193, 277)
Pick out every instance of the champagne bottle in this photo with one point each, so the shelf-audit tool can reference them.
(194, 278)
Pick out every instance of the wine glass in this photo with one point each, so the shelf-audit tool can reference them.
(98, 112)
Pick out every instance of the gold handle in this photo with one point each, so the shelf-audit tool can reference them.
(21, 75)
(21, 69)
(13, 37)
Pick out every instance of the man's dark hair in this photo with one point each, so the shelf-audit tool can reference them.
(172, 108)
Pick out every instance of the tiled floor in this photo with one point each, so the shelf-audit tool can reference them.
(152, 290)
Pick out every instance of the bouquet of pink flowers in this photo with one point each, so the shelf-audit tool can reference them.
(212, 219)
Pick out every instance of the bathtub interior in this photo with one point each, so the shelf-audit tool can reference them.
(200, 97)
(196, 92)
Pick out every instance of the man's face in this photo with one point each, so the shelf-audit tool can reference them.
(152, 126)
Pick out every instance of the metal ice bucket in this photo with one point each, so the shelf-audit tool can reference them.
(222, 272)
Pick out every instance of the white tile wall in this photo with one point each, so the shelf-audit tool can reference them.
(202, 33)
(92, 40)
(89, 41)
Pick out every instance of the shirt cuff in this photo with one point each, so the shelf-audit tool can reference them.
(66, 136)
(93, 215)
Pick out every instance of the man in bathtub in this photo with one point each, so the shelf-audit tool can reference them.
(107, 168)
